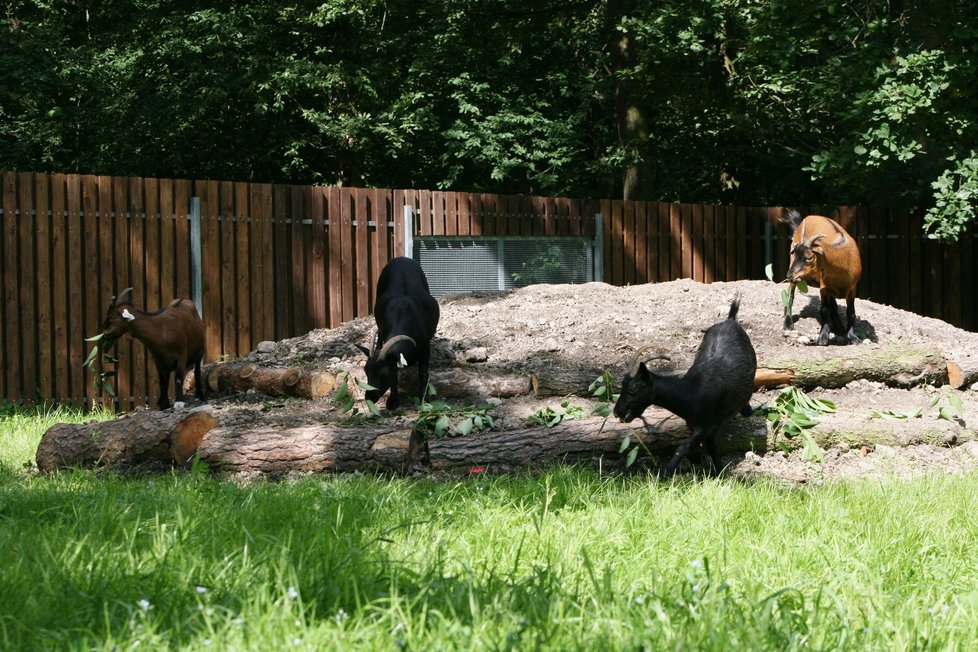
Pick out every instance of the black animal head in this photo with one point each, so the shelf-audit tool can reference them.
(638, 389)
(117, 317)
(382, 365)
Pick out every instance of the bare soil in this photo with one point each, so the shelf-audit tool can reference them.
(599, 327)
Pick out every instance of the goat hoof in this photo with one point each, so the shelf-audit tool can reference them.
(179, 405)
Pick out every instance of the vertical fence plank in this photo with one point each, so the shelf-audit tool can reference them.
(210, 241)
(42, 280)
(13, 365)
(484, 222)
(281, 270)
(242, 266)
(74, 272)
(95, 301)
(464, 202)
(347, 247)
(383, 206)
(641, 230)
(335, 242)
(297, 273)
(26, 226)
(135, 209)
(225, 220)
(362, 244)
(708, 248)
(152, 228)
(319, 314)
(262, 285)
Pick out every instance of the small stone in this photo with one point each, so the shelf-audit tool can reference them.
(476, 354)
(266, 347)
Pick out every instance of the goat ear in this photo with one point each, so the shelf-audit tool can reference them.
(365, 350)
(401, 362)
(644, 373)
(128, 316)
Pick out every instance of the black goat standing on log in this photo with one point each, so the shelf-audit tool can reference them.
(407, 316)
(717, 386)
(174, 336)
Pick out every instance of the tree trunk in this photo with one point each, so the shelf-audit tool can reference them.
(310, 447)
(633, 131)
(473, 383)
(896, 364)
(273, 381)
(143, 440)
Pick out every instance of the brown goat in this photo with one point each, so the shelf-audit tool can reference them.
(823, 252)
(174, 336)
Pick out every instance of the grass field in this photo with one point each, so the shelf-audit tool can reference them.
(562, 560)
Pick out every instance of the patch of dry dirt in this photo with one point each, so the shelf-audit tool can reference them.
(596, 326)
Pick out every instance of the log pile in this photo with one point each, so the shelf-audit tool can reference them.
(149, 440)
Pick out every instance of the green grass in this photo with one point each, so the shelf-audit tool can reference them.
(563, 560)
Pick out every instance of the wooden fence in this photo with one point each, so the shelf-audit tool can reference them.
(279, 260)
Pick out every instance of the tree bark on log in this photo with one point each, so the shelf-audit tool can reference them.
(896, 364)
(273, 381)
(474, 383)
(144, 440)
(151, 440)
(311, 447)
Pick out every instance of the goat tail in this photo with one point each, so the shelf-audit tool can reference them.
(793, 218)
(734, 307)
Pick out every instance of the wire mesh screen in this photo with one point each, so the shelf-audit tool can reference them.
(457, 265)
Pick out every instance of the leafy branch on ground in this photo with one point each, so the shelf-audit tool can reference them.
(439, 419)
(792, 413)
(345, 402)
(551, 416)
(949, 407)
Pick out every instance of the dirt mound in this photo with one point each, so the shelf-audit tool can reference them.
(584, 329)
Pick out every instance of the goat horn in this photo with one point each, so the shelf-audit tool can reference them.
(637, 360)
(115, 299)
(389, 344)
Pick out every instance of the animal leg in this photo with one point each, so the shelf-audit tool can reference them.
(423, 357)
(179, 373)
(826, 308)
(392, 399)
(710, 441)
(164, 376)
(851, 321)
(683, 451)
(198, 385)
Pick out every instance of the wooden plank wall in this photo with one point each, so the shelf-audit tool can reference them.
(279, 260)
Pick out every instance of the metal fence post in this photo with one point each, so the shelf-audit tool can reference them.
(598, 244)
(409, 232)
(196, 273)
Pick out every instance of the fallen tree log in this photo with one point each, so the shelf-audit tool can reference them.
(313, 447)
(274, 381)
(143, 440)
(475, 383)
(896, 364)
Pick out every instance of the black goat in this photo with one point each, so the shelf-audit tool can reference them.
(407, 316)
(174, 336)
(717, 386)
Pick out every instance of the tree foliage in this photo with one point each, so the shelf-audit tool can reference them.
(820, 102)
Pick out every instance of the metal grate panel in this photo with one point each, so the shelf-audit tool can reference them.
(465, 265)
